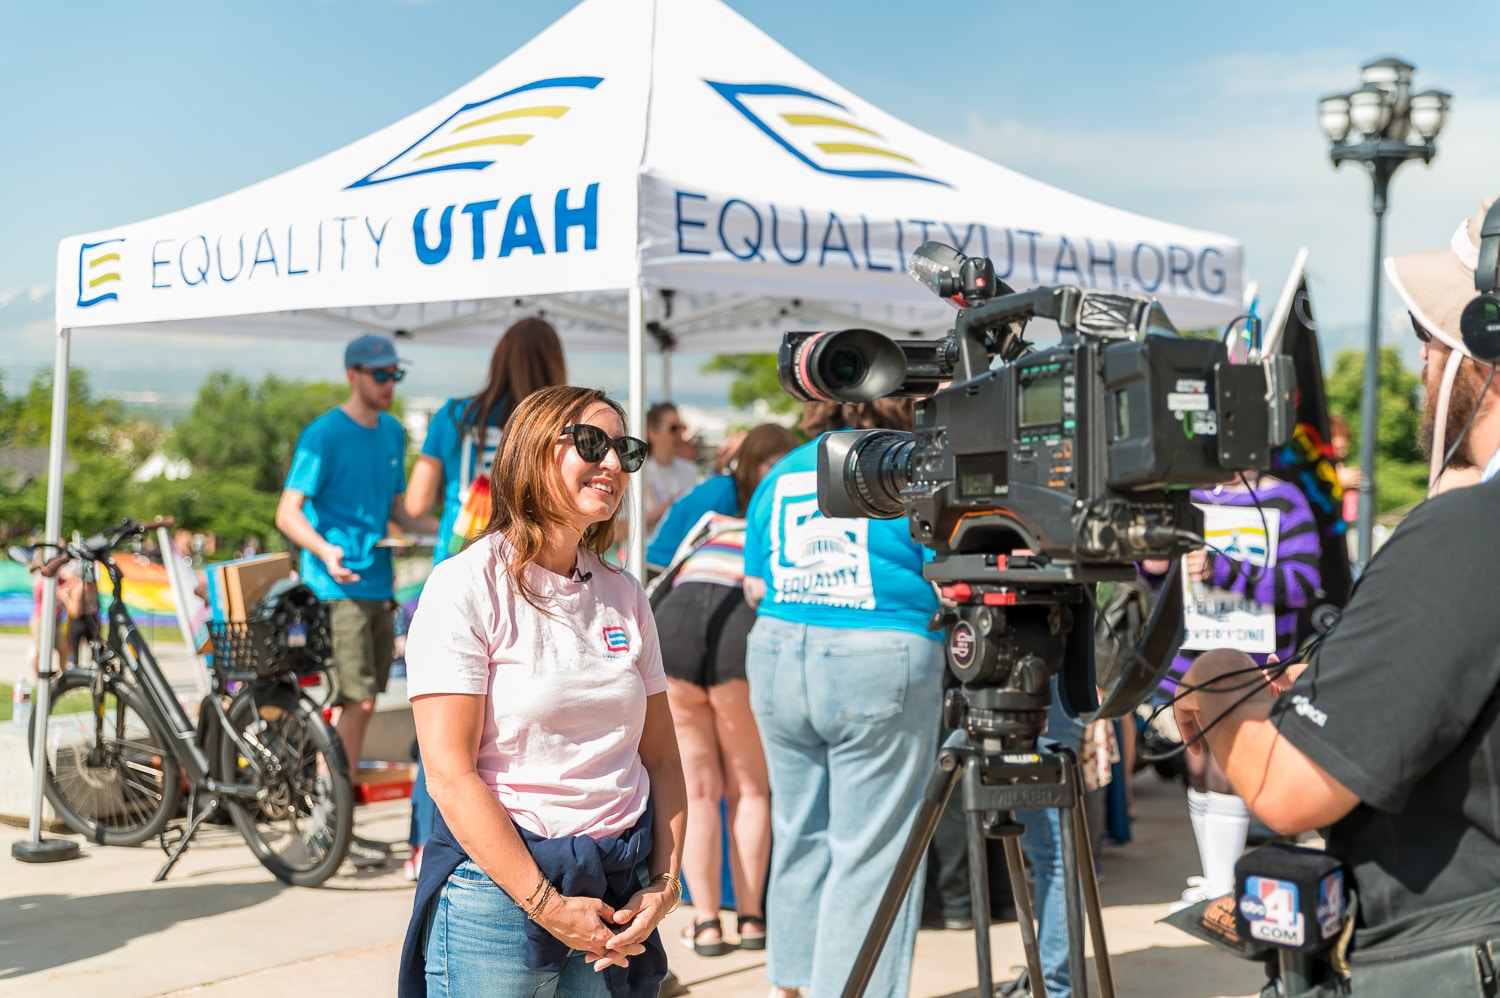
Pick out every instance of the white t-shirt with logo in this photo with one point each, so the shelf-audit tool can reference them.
(565, 695)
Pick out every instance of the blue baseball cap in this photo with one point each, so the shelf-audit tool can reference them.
(370, 350)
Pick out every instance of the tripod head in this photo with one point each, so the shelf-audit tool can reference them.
(1009, 635)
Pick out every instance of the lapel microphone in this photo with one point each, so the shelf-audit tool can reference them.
(581, 576)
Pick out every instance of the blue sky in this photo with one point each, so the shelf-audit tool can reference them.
(1200, 113)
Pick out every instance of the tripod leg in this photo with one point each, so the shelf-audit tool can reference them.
(1077, 964)
(1015, 865)
(979, 899)
(1090, 884)
(934, 797)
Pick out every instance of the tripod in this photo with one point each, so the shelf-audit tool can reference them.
(994, 786)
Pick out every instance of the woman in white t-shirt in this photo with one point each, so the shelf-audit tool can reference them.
(667, 476)
(537, 688)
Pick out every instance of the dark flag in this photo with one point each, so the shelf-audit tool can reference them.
(1306, 460)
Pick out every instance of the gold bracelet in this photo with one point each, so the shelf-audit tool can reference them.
(674, 884)
(541, 881)
(536, 908)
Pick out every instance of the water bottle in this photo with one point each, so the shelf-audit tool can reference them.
(20, 703)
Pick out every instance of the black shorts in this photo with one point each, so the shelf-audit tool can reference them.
(702, 628)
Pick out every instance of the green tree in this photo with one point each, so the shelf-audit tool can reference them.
(1400, 467)
(104, 447)
(754, 379)
(237, 425)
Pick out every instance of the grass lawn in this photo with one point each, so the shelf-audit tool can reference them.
(77, 703)
(153, 634)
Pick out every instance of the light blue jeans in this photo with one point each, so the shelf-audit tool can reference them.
(476, 947)
(849, 719)
(1042, 845)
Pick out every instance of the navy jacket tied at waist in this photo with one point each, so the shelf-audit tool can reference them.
(577, 866)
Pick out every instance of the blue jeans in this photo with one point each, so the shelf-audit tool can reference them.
(476, 946)
(423, 810)
(849, 719)
(1042, 845)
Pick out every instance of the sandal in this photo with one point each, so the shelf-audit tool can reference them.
(692, 935)
(752, 931)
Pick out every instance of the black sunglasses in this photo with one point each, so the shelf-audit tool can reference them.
(382, 375)
(1419, 329)
(593, 443)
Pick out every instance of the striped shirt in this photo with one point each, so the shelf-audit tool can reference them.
(1288, 585)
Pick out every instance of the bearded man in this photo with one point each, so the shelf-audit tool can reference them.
(1388, 737)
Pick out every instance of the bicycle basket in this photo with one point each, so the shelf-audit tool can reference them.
(287, 633)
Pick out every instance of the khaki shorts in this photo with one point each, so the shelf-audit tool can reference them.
(364, 632)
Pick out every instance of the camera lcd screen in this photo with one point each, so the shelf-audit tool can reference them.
(1041, 399)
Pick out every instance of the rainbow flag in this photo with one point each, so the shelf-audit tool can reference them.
(147, 593)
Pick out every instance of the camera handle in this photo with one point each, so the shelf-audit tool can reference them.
(993, 789)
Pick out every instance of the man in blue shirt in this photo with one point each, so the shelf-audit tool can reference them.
(345, 485)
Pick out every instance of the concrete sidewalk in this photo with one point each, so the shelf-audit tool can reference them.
(223, 926)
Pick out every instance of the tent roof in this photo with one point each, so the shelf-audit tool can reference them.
(665, 144)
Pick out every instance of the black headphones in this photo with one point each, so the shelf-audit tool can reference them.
(1480, 322)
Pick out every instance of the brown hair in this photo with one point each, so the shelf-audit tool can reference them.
(881, 414)
(765, 440)
(658, 412)
(528, 357)
(527, 496)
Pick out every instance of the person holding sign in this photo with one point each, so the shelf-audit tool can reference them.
(1244, 591)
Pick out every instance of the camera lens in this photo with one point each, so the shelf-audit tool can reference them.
(845, 367)
(848, 365)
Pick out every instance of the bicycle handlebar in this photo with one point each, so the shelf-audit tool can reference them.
(51, 567)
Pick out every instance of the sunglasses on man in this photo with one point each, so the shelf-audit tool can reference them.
(383, 375)
(1422, 332)
(593, 443)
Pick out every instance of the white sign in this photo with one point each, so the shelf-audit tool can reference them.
(1224, 619)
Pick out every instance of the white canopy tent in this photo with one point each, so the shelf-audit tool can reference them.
(644, 173)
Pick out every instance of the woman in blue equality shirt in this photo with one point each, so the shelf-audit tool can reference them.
(462, 437)
(464, 432)
(846, 687)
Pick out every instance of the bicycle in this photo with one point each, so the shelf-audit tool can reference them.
(119, 743)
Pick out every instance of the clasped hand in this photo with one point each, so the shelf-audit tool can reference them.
(607, 936)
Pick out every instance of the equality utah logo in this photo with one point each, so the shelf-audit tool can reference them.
(478, 133)
(616, 640)
(98, 269)
(820, 132)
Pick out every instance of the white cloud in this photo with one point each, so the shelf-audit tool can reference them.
(1268, 182)
(33, 294)
(1301, 76)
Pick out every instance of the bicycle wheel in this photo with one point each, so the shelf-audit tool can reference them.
(300, 827)
(116, 782)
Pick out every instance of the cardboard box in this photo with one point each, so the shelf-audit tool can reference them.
(245, 581)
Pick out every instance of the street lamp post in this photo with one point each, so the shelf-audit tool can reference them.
(1382, 125)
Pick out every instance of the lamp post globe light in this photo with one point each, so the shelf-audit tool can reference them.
(1382, 125)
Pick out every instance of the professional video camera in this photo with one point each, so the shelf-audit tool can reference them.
(1033, 474)
(1057, 467)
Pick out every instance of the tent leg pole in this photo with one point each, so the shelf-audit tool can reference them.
(35, 849)
(666, 375)
(636, 559)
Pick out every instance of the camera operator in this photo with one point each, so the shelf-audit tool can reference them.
(1390, 734)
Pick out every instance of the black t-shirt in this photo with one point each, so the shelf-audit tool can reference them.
(1400, 705)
